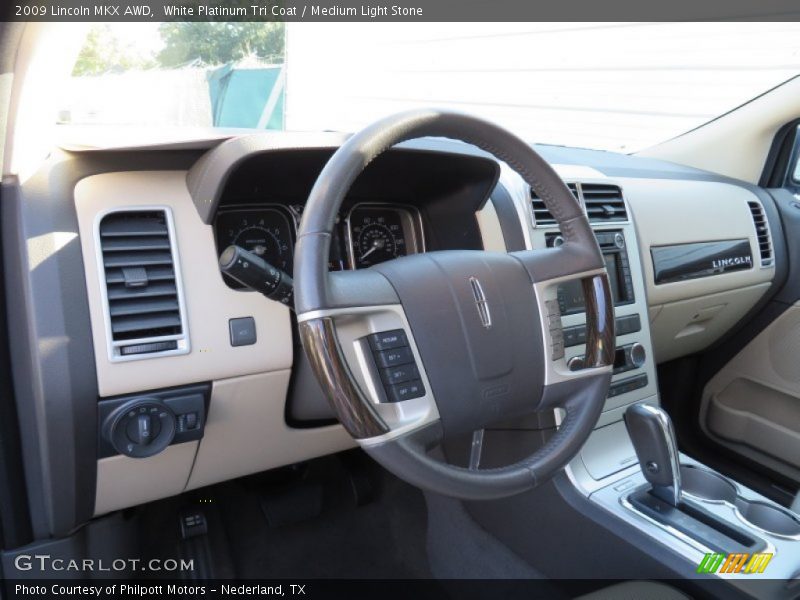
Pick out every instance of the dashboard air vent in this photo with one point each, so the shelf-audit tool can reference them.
(762, 232)
(143, 296)
(542, 216)
(604, 203)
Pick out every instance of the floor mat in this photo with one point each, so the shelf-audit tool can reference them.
(384, 538)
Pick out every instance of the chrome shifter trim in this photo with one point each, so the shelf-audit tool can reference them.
(672, 447)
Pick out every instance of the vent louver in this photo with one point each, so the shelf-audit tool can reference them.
(143, 294)
(604, 203)
(762, 233)
(541, 215)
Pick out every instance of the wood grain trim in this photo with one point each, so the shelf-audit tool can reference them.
(600, 337)
(355, 413)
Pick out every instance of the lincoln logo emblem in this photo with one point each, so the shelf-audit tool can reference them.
(480, 302)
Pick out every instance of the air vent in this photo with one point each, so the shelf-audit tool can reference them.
(762, 233)
(144, 300)
(604, 203)
(541, 215)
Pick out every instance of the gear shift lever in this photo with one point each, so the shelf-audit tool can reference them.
(653, 437)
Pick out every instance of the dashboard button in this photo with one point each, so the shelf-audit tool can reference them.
(387, 340)
(400, 374)
(243, 331)
(570, 336)
(394, 357)
(405, 391)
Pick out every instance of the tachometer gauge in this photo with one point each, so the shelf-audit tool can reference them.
(378, 234)
(265, 232)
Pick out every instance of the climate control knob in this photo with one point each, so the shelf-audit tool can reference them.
(576, 363)
(638, 355)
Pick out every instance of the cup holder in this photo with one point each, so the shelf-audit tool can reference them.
(769, 518)
(708, 486)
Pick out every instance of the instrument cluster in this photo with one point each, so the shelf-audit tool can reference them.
(368, 234)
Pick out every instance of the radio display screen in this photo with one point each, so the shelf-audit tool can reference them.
(570, 295)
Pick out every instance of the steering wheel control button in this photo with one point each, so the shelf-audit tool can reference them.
(405, 391)
(394, 375)
(394, 357)
(387, 340)
(398, 370)
(558, 349)
(243, 331)
(554, 325)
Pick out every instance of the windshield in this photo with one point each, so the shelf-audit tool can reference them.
(620, 87)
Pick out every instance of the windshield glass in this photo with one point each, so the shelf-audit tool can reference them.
(608, 86)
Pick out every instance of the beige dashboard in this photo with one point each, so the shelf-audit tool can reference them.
(688, 316)
(246, 430)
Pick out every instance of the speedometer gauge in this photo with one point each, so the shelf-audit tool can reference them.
(378, 234)
(265, 232)
(378, 242)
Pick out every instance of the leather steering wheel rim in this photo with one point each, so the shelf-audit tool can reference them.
(329, 303)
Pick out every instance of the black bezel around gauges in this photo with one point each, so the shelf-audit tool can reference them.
(380, 232)
(273, 234)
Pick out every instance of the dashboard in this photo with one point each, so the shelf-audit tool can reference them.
(249, 191)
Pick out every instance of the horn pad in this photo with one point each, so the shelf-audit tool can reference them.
(474, 317)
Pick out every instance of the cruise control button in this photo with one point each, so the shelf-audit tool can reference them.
(394, 357)
(387, 340)
(400, 374)
(405, 391)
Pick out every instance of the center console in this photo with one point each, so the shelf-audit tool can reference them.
(634, 378)
(696, 513)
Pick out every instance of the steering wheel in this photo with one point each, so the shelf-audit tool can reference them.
(473, 337)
